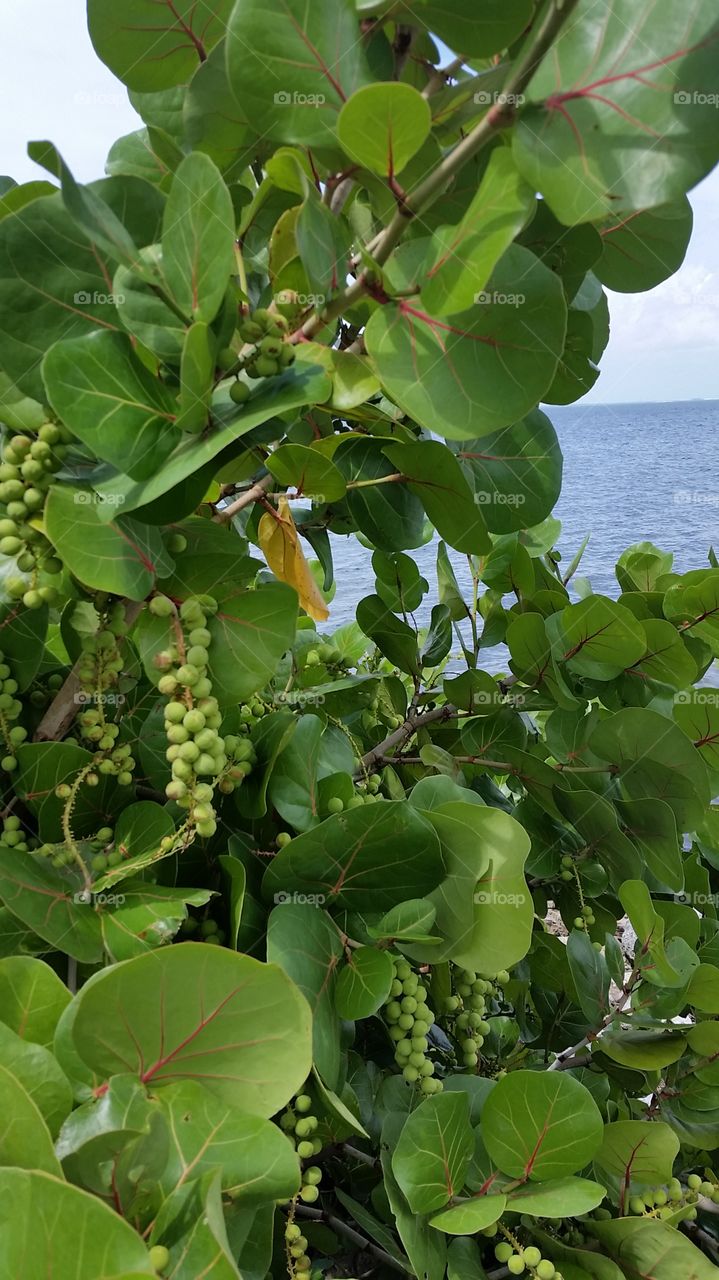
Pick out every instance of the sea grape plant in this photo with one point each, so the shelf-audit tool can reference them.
(390, 947)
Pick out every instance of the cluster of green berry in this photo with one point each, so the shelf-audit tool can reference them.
(10, 709)
(366, 792)
(250, 713)
(192, 716)
(325, 654)
(98, 851)
(26, 472)
(526, 1261)
(584, 920)
(465, 1012)
(98, 669)
(14, 836)
(409, 1020)
(266, 332)
(665, 1202)
(299, 1123)
(207, 930)
(299, 1263)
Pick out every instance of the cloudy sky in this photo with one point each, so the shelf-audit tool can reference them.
(664, 346)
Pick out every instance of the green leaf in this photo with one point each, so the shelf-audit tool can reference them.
(654, 758)
(560, 1198)
(32, 997)
(25, 1140)
(249, 636)
(644, 249)
(151, 48)
(395, 639)
(431, 1158)
(623, 122)
(598, 638)
(304, 942)
(42, 897)
(464, 256)
(44, 1221)
(649, 928)
(410, 921)
(309, 471)
(475, 33)
(368, 858)
(257, 1161)
(541, 1125)
(44, 254)
(364, 983)
(651, 825)
(652, 1251)
(438, 640)
(432, 368)
(214, 122)
(436, 478)
(23, 633)
(590, 974)
(386, 512)
(697, 714)
(516, 473)
(107, 398)
(295, 65)
(198, 237)
(383, 125)
(297, 386)
(139, 831)
(196, 376)
(124, 558)
(635, 1152)
(37, 1070)
(308, 757)
(191, 1012)
(425, 1249)
(191, 1225)
(643, 1050)
(323, 242)
(471, 1215)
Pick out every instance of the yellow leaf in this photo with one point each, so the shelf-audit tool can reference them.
(280, 544)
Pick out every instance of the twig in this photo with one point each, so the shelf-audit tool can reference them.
(303, 1211)
(414, 722)
(255, 494)
(565, 1059)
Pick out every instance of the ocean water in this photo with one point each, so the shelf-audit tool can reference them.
(632, 472)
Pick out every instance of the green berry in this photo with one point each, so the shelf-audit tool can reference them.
(503, 1252)
(159, 1257)
(532, 1256)
(515, 1265)
(546, 1270)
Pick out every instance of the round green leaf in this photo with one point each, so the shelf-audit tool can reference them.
(431, 1158)
(560, 1198)
(473, 373)
(32, 997)
(541, 1125)
(642, 250)
(305, 943)
(25, 1140)
(152, 47)
(383, 125)
(237, 1026)
(516, 473)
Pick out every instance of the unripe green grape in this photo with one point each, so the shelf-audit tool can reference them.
(167, 685)
(503, 1252)
(546, 1270)
(532, 1256)
(515, 1265)
(694, 1182)
(159, 1257)
(305, 1150)
(411, 1074)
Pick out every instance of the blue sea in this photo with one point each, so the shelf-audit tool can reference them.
(632, 472)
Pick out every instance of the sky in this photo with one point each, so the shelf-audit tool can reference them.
(664, 344)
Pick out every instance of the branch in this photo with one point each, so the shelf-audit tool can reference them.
(302, 1211)
(64, 706)
(407, 730)
(255, 494)
(565, 1059)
